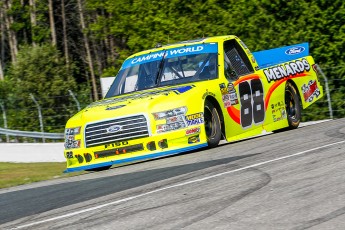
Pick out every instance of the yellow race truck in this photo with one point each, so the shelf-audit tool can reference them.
(191, 95)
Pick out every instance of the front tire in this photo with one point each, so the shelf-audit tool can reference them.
(293, 106)
(212, 125)
(103, 168)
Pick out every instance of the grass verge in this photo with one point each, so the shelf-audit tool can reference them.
(13, 174)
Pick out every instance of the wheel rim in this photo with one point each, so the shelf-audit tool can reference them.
(209, 123)
(290, 104)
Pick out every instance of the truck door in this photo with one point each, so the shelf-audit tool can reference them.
(244, 94)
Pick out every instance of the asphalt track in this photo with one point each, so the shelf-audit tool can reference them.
(287, 180)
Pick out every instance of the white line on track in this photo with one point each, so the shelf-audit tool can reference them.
(173, 186)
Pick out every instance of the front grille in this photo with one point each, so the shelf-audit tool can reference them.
(131, 128)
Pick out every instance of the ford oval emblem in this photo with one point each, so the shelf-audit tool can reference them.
(114, 129)
(295, 50)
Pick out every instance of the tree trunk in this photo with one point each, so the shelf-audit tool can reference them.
(2, 47)
(12, 38)
(88, 51)
(64, 32)
(25, 35)
(112, 54)
(33, 20)
(98, 56)
(52, 22)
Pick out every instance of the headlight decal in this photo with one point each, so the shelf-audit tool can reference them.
(170, 113)
(174, 119)
(70, 141)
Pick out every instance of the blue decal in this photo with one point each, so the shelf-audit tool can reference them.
(267, 58)
(170, 53)
(183, 89)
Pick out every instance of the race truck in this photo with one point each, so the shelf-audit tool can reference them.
(191, 95)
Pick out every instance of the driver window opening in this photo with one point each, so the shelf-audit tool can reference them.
(236, 59)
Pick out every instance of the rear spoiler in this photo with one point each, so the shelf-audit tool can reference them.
(266, 58)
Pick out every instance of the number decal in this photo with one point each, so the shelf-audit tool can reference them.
(258, 101)
(246, 104)
(252, 102)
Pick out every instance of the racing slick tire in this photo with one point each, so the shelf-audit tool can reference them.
(293, 106)
(212, 125)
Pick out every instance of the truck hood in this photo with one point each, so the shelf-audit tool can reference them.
(153, 100)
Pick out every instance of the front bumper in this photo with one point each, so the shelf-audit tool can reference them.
(151, 147)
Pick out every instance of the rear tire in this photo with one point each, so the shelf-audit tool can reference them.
(212, 125)
(293, 106)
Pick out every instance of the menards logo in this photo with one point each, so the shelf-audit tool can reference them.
(285, 70)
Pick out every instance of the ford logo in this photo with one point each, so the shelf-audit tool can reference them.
(295, 50)
(114, 129)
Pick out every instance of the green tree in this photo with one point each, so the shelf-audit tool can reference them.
(40, 71)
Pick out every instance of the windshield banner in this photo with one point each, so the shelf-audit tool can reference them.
(169, 53)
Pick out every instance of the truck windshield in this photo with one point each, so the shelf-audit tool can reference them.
(166, 67)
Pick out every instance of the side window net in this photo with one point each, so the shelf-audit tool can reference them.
(238, 58)
(237, 62)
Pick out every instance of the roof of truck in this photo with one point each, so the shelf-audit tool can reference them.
(184, 43)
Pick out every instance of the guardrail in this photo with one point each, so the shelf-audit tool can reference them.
(43, 135)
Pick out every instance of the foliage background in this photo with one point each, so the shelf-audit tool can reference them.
(116, 29)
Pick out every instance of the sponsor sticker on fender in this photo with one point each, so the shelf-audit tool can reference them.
(192, 131)
(193, 139)
(229, 95)
(310, 91)
(195, 119)
(278, 111)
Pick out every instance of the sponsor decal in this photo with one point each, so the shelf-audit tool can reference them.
(195, 119)
(226, 100)
(179, 118)
(193, 139)
(231, 87)
(229, 95)
(232, 94)
(71, 143)
(162, 128)
(114, 129)
(192, 131)
(170, 53)
(310, 91)
(207, 94)
(186, 50)
(295, 50)
(170, 127)
(148, 57)
(69, 154)
(223, 88)
(286, 70)
(278, 111)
